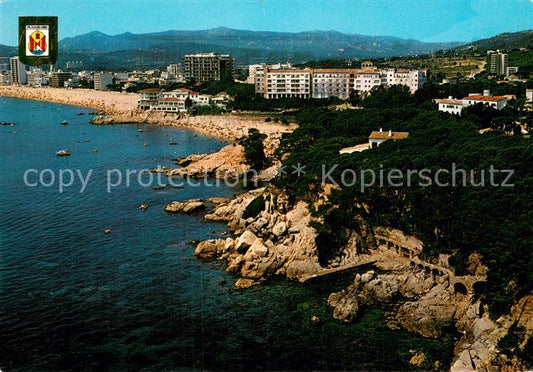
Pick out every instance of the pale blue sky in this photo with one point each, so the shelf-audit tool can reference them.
(427, 20)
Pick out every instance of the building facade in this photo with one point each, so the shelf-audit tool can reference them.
(331, 83)
(102, 80)
(204, 67)
(18, 71)
(498, 63)
(287, 83)
(272, 82)
(58, 79)
(456, 106)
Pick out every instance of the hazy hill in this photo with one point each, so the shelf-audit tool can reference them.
(505, 41)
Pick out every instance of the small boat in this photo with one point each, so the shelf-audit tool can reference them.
(143, 206)
(107, 231)
(4, 123)
(64, 122)
(63, 153)
(79, 113)
(95, 150)
(173, 143)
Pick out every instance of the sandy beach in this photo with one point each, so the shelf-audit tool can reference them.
(122, 108)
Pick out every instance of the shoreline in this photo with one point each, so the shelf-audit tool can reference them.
(121, 108)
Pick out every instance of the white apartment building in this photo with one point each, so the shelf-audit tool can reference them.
(102, 80)
(331, 83)
(365, 80)
(287, 83)
(498, 62)
(37, 78)
(18, 71)
(414, 79)
(252, 70)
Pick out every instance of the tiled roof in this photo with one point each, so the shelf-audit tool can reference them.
(450, 101)
(149, 91)
(388, 135)
(485, 98)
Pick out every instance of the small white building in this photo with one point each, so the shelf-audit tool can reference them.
(497, 102)
(451, 105)
(375, 139)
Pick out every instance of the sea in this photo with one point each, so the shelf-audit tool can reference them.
(74, 298)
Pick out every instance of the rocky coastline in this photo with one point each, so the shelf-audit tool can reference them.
(422, 297)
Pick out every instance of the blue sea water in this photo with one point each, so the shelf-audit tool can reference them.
(74, 298)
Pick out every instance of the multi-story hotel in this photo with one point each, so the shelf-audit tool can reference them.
(209, 67)
(498, 62)
(287, 83)
(276, 82)
(102, 80)
(18, 71)
(329, 82)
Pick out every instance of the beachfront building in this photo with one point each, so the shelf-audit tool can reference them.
(102, 80)
(58, 79)
(18, 71)
(203, 67)
(332, 82)
(178, 100)
(148, 98)
(37, 78)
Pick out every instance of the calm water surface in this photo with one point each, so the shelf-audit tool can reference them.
(73, 298)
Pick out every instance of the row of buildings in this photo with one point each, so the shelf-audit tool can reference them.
(284, 81)
(456, 106)
(178, 100)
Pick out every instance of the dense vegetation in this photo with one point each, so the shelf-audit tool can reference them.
(494, 221)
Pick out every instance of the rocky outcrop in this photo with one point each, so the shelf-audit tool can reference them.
(477, 349)
(228, 163)
(277, 241)
(187, 206)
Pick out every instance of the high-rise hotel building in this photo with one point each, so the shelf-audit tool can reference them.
(18, 71)
(203, 67)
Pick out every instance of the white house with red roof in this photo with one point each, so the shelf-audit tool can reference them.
(456, 106)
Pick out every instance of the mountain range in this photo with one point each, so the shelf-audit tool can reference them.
(96, 50)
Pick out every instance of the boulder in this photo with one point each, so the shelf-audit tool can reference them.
(210, 248)
(245, 241)
(242, 283)
(187, 206)
(279, 229)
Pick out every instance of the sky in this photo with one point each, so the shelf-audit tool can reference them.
(425, 20)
